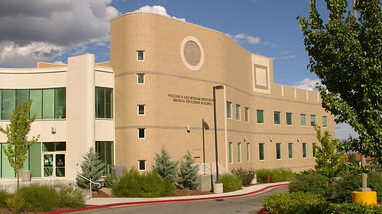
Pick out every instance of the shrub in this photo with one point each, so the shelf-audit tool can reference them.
(164, 167)
(109, 180)
(230, 182)
(350, 208)
(92, 168)
(39, 197)
(15, 202)
(276, 175)
(246, 176)
(3, 195)
(312, 182)
(149, 184)
(188, 176)
(69, 196)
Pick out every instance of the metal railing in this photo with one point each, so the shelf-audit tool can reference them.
(210, 168)
(90, 182)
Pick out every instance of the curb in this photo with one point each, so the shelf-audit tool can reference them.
(165, 201)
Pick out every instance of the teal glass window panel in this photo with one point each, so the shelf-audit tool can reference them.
(289, 118)
(260, 116)
(314, 150)
(324, 121)
(304, 150)
(1, 106)
(237, 112)
(290, 150)
(246, 114)
(35, 160)
(104, 102)
(60, 103)
(277, 117)
(48, 147)
(6, 169)
(278, 150)
(48, 103)
(140, 55)
(108, 102)
(105, 150)
(230, 158)
(60, 146)
(8, 104)
(229, 110)
(22, 95)
(302, 117)
(261, 151)
(239, 152)
(248, 152)
(141, 109)
(312, 120)
(141, 78)
(36, 107)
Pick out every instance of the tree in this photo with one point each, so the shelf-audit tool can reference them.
(92, 168)
(164, 167)
(328, 158)
(345, 53)
(188, 173)
(17, 131)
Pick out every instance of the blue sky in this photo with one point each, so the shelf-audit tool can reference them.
(53, 30)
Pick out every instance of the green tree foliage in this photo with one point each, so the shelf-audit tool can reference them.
(345, 52)
(188, 176)
(328, 158)
(92, 168)
(17, 131)
(164, 167)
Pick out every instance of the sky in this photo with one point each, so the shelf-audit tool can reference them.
(53, 30)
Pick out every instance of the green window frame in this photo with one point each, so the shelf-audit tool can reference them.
(248, 152)
(140, 78)
(239, 152)
(324, 121)
(289, 118)
(237, 112)
(312, 120)
(105, 151)
(103, 102)
(261, 151)
(246, 114)
(229, 110)
(304, 150)
(230, 158)
(276, 117)
(290, 150)
(260, 116)
(303, 119)
(278, 151)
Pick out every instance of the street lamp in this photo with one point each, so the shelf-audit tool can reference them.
(216, 135)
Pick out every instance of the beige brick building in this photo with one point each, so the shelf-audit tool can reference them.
(155, 92)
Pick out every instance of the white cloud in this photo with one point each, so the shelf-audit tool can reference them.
(271, 44)
(157, 9)
(35, 31)
(241, 37)
(286, 57)
(307, 84)
(59, 62)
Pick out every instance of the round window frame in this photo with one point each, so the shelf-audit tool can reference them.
(183, 44)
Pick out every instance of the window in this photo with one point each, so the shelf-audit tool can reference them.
(302, 116)
(54, 146)
(239, 152)
(260, 116)
(140, 78)
(141, 133)
(105, 151)
(230, 152)
(314, 150)
(104, 102)
(304, 150)
(290, 150)
(237, 112)
(261, 151)
(229, 109)
(141, 109)
(276, 116)
(289, 118)
(141, 165)
(324, 121)
(8, 103)
(248, 152)
(140, 55)
(48, 103)
(246, 114)
(312, 120)
(278, 151)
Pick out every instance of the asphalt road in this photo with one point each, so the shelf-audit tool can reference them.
(246, 204)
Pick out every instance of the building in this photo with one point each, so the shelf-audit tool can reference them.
(156, 91)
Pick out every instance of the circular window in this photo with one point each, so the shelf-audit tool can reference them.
(192, 53)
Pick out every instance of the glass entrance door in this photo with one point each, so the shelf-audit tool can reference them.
(54, 165)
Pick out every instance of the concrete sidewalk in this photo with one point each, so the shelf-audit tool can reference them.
(126, 201)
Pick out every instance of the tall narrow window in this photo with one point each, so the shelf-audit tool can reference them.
(324, 121)
(141, 109)
(105, 150)
(290, 150)
(239, 152)
(314, 150)
(104, 102)
(261, 151)
(141, 165)
(278, 151)
(140, 78)
(289, 118)
(237, 112)
(230, 152)
(229, 109)
(312, 120)
(140, 55)
(302, 116)
(60, 103)
(260, 116)
(9, 103)
(141, 133)
(22, 95)
(48, 103)
(304, 150)
(248, 152)
(246, 114)
(276, 117)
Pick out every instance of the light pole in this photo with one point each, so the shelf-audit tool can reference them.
(216, 133)
(204, 127)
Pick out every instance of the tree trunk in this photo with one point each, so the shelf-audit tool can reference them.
(18, 178)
